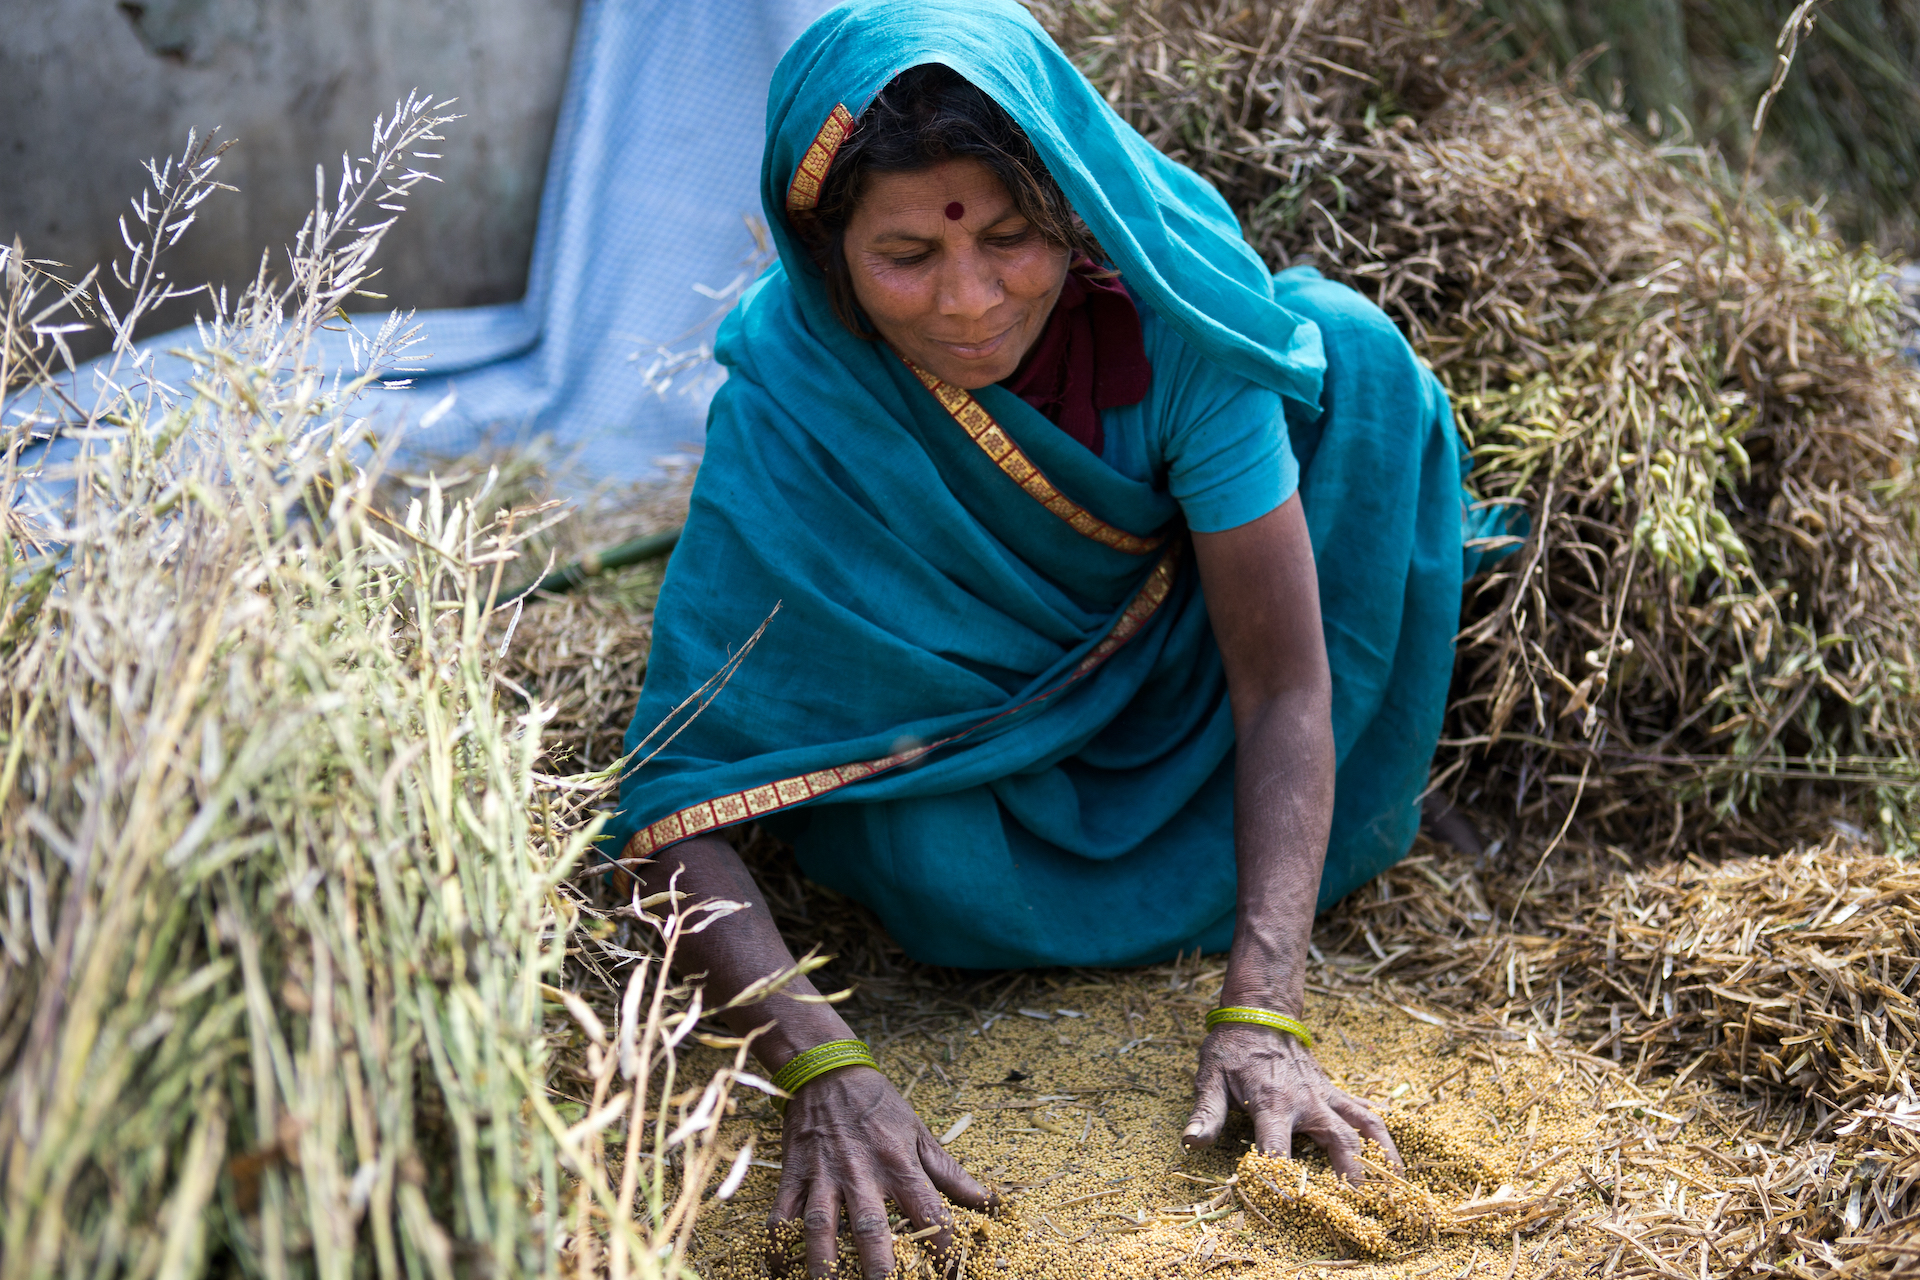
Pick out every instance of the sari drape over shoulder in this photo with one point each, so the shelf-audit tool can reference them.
(990, 704)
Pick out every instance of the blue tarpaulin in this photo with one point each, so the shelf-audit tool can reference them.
(643, 227)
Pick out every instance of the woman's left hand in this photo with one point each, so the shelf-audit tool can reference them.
(1274, 1079)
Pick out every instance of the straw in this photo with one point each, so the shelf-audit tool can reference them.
(290, 961)
(1692, 402)
(1570, 1099)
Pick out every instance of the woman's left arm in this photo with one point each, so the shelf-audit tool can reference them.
(1264, 601)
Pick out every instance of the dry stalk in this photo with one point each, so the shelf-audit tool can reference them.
(1695, 401)
(1776, 992)
(1799, 24)
(285, 877)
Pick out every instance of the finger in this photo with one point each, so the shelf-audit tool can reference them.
(953, 1181)
(823, 1227)
(1209, 1108)
(1273, 1124)
(872, 1239)
(1337, 1138)
(924, 1208)
(1369, 1125)
(783, 1224)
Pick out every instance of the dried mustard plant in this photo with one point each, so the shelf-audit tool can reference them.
(1694, 400)
(283, 945)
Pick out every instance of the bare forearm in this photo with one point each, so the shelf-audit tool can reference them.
(1263, 599)
(1283, 807)
(740, 950)
(847, 1137)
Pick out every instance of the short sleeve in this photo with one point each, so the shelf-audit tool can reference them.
(1233, 463)
(1216, 442)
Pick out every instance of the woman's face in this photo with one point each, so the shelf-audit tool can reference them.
(950, 273)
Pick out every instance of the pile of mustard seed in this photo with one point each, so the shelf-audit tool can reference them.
(1069, 1099)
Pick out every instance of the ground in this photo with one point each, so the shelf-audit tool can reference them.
(1532, 1150)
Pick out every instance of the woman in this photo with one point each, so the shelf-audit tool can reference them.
(1116, 582)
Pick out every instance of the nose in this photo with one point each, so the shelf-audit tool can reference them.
(969, 283)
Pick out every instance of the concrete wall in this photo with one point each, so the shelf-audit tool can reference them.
(89, 89)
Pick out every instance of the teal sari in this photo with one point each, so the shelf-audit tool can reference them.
(988, 702)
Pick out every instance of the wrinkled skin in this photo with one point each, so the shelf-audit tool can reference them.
(1263, 599)
(961, 296)
(1274, 1079)
(852, 1143)
(964, 297)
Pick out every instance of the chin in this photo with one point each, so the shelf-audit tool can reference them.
(969, 377)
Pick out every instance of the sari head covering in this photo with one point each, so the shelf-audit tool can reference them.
(987, 701)
(1166, 230)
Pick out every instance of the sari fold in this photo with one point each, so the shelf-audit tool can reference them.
(990, 704)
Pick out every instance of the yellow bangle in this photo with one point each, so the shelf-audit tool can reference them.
(816, 1062)
(1262, 1018)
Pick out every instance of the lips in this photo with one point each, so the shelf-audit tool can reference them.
(982, 350)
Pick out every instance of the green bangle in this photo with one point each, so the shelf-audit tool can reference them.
(816, 1062)
(1262, 1018)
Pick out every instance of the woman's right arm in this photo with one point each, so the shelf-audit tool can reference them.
(850, 1141)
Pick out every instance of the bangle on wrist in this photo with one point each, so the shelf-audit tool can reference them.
(1261, 1018)
(818, 1061)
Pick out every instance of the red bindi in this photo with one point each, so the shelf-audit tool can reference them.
(956, 211)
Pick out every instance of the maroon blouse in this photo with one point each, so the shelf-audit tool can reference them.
(1089, 357)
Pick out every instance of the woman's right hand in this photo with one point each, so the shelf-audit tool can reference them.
(851, 1142)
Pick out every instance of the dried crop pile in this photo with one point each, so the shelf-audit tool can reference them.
(1693, 401)
(278, 907)
(1844, 123)
(1783, 972)
(583, 655)
(286, 937)
(1789, 980)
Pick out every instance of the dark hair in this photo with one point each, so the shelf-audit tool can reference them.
(924, 117)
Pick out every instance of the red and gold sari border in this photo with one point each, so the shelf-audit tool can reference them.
(739, 806)
(727, 810)
(1145, 603)
(985, 432)
(804, 192)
